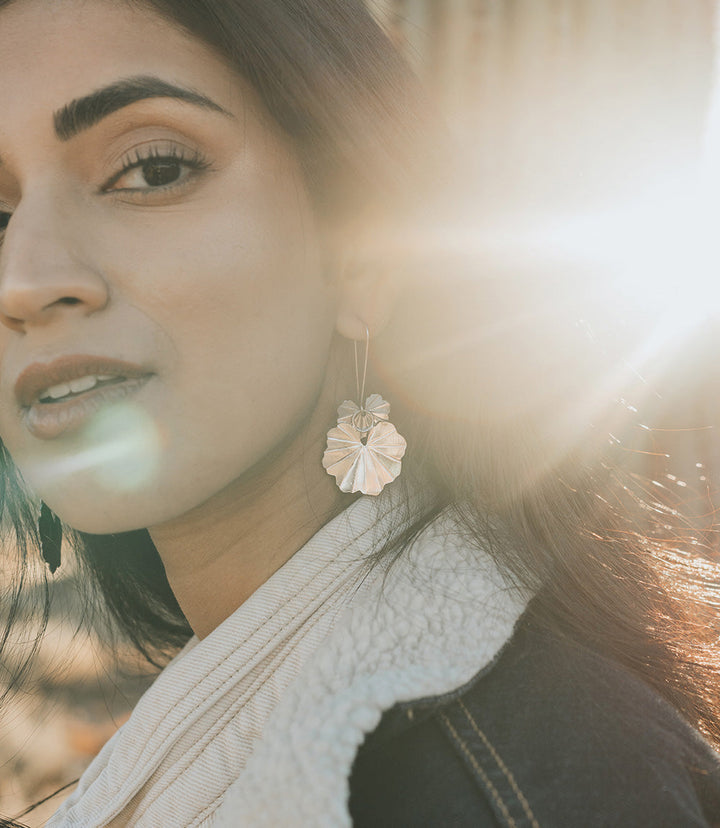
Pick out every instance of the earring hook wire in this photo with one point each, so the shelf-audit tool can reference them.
(361, 393)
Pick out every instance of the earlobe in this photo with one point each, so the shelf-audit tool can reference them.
(368, 294)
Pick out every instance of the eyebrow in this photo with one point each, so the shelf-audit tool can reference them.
(84, 113)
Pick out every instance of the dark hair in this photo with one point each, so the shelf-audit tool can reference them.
(579, 535)
(331, 79)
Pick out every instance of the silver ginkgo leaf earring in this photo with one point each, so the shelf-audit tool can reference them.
(364, 451)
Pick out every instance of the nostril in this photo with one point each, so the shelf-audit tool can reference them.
(68, 301)
(12, 323)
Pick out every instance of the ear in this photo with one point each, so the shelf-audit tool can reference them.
(367, 295)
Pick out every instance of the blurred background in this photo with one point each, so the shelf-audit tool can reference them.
(591, 129)
(591, 132)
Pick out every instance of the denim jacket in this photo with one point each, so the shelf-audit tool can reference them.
(551, 734)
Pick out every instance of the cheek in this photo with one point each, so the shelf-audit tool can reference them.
(240, 292)
(249, 314)
(243, 251)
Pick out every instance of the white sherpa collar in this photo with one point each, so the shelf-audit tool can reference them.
(427, 626)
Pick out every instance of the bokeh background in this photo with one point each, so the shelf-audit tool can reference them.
(569, 114)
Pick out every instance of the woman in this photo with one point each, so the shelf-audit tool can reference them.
(204, 205)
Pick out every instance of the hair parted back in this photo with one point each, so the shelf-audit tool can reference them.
(578, 536)
(331, 79)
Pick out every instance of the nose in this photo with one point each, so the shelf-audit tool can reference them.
(45, 270)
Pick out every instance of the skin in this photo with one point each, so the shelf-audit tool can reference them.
(219, 284)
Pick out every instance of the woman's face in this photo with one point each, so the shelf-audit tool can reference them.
(166, 313)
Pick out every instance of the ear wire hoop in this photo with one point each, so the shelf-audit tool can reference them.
(361, 390)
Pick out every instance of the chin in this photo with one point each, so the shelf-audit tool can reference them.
(104, 515)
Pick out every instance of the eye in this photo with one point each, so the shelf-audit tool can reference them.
(157, 168)
(4, 221)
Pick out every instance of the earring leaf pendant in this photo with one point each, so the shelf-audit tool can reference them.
(364, 451)
(50, 534)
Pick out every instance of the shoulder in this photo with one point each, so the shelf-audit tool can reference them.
(551, 734)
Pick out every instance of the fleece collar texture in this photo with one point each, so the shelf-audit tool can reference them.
(434, 620)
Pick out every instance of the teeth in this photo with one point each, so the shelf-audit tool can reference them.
(76, 386)
(83, 384)
(58, 391)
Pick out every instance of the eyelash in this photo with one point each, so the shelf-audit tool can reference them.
(196, 162)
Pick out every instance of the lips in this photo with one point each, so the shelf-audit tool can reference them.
(59, 396)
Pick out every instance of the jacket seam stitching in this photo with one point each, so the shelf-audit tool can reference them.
(486, 779)
(503, 767)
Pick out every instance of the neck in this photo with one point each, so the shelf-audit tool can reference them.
(218, 554)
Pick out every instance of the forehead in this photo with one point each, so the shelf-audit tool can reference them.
(53, 51)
